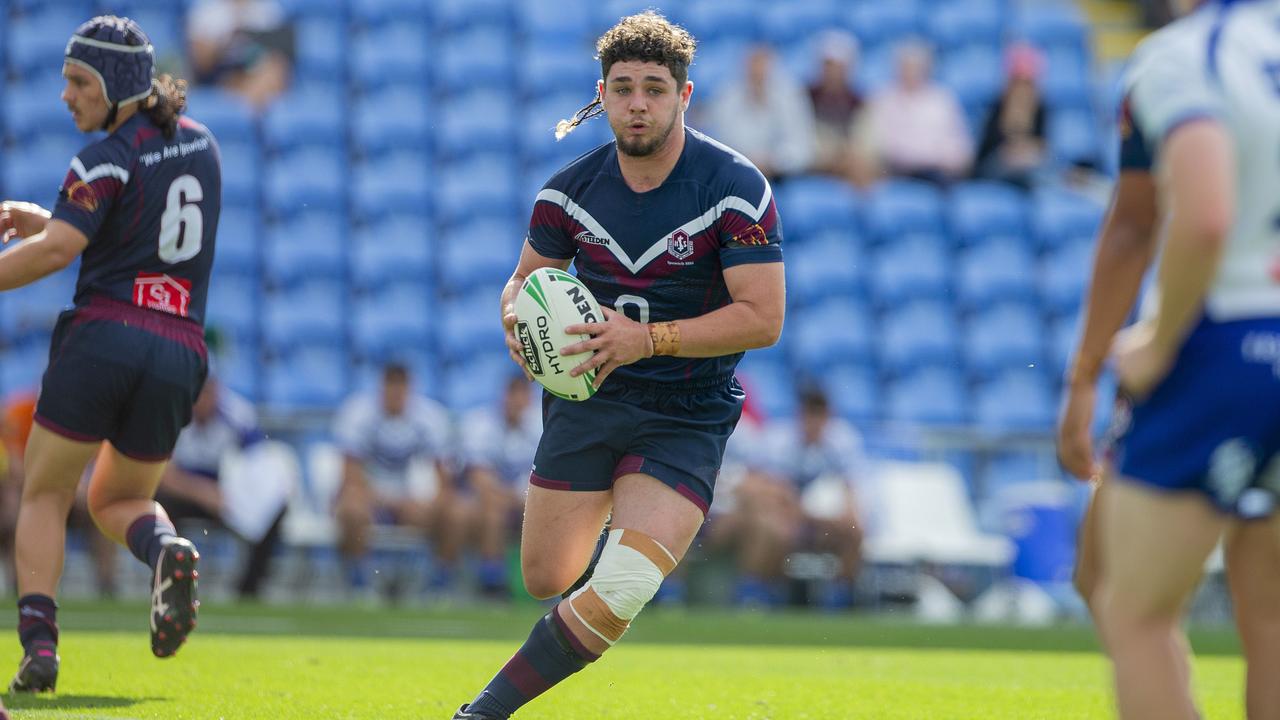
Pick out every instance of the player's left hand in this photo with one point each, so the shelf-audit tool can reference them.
(1141, 363)
(21, 219)
(617, 341)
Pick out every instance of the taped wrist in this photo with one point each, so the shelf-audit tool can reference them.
(665, 337)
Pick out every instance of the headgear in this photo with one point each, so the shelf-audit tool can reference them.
(119, 54)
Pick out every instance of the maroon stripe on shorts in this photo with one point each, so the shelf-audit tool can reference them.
(184, 332)
(57, 429)
(627, 465)
(536, 479)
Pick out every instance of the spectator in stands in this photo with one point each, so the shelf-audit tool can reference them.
(222, 423)
(497, 455)
(1013, 142)
(917, 126)
(765, 116)
(837, 109)
(394, 443)
(802, 498)
(245, 46)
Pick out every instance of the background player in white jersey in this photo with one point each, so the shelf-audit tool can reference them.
(1199, 446)
(681, 233)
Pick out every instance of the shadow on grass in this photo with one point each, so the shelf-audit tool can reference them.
(72, 702)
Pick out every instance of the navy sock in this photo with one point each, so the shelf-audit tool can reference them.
(147, 536)
(550, 655)
(37, 620)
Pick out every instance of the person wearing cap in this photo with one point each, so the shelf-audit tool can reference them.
(139, 208)
(1013, 141)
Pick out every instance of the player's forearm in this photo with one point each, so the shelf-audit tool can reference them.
(31, 260)
(1187, 267)
(1123, 254)
(734, 328)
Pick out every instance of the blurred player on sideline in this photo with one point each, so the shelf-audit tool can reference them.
(1199, 87)
(140, 208)
(678, 238)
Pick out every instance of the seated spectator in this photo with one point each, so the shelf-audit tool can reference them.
(836, 111)
(802, 498)
(765, 116)
(222, 424)
(245, 46)
(1013, 141)
(497, 454)
(388, 439)
(917, 126)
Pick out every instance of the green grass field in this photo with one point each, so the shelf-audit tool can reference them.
(281, 664)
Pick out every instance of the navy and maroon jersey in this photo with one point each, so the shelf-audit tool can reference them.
(149, 207)
(660, 255)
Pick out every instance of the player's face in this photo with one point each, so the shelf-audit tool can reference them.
(83, 96)
(643, 104)
(395, 396)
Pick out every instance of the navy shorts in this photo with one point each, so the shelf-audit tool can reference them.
(1213, 425)
(675, 434)
(122, 374)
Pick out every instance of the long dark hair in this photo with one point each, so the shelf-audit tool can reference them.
(166, 102)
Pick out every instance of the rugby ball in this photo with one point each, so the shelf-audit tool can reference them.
(549, 301)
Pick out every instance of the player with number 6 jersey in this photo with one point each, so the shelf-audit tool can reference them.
(140, 209)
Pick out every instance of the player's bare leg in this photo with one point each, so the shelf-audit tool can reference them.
(558, 536)
(121, 502)
(1150, 574)
(1253, 571)
(54, 465)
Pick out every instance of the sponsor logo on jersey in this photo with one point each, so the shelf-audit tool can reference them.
(586, 238)
(680, 245)
(80, 195)
(165, 293)
(528, 348)
(754, 235)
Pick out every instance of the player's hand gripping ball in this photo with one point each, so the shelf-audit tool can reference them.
(549, 301)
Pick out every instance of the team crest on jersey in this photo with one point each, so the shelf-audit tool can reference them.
(78, 193)
(585, 237)
(680, 245)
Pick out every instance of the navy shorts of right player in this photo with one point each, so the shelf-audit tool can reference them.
(1212, 425)
(123, 374)
(674, 433)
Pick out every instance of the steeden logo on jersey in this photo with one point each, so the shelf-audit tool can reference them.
(585, 237)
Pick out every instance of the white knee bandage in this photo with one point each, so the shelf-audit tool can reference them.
(630, 570)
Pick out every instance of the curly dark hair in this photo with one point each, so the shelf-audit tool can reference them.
(643, 37)
(166, 102)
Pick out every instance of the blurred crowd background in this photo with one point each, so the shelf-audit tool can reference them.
(940, 167)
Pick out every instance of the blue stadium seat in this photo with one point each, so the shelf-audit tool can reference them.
(81, 8)
(961, 22)
(483, 251)
(1059, 215)
(829, 265)
(975, 73)
(710, 20)
(877, 67)
(463, 15)
(476, 121)
(378, 13)
(226, 114)
(312, 312)
(314, 8)
(313, 177)
(717, 64)
(391, 317)
(790, 23)
(238, 249)
(1074, 137)
(239, 368)
(309, 116)
(234, 304)
(392, 119)
(770, 385)
(483, 56)
(38, 39)
(983, 209)
(560, 22)
(998, 269)
(468, 326)
(814, 203)
(477, 382)
(1018, 400)
(897, 207)
(1008, 335)
(877, 23)
(35, 175)
(390, 54)
(838, 330)
(241, 172)
(538, 142)
(1066, 82)
(1064, 276)
(559, 66)
(310, 245)
(912, 267)
(21, 366)
(916, 334)
(397, 183)
(164, 25)
(307, 378)
(31, 311)
(854, 391)
(396, 247)
(482, 186)
(320, 47)
(1064, 331)
(928, 396)
(32, 109)
(1050, 24)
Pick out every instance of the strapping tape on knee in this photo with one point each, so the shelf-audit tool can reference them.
(631, 568)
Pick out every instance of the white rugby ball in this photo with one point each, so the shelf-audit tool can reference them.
(549, 301)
